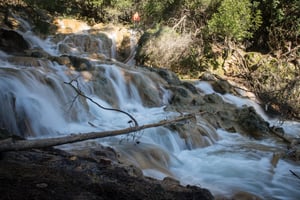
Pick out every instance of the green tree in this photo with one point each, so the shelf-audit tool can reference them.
(154, 11)
(235, 20)
(281, 24)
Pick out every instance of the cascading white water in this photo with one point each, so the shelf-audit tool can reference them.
(36, 102)
(133, 45)
(127, 92)
(113, 37)
(238, 163)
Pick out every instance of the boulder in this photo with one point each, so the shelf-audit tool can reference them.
(80, 64)
(168, 76)
(251, 123)
(12, 42)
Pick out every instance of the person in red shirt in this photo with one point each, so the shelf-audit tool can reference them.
(136, 19)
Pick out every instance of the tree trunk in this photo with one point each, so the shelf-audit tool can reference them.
(18, 145)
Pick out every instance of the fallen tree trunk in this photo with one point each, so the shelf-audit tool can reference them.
(18, 145)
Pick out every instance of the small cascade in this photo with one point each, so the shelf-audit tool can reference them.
(113, 37)
(38, 99)
(38, 43)
(33, 40)
(127, 92)
(133, 45)
(24, 26)
(33, 101)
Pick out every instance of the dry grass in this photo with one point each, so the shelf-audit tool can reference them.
(167, 49)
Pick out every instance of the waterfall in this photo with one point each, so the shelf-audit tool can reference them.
(127, 92)
(113, 37)
(36, 102)
(133, 45)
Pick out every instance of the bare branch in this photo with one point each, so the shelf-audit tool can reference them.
(295, 174)
(281, 136)
(80, 93)
(180, 21)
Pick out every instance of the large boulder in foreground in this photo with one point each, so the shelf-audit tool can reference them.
(54, 174)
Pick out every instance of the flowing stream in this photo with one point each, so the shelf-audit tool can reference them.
(36, 102)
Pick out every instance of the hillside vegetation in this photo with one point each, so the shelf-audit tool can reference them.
(254, 42)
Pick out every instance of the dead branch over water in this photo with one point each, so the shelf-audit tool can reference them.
(18, 145)
(80, 93)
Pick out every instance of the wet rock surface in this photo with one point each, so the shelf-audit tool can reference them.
(55, 174)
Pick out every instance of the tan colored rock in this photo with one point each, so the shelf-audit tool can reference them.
(25, 61)
(66, 26)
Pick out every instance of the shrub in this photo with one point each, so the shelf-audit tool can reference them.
(235, 20)
(164, 48)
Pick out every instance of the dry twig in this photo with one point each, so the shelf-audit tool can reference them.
(80, 93)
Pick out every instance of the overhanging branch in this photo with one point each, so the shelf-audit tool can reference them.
(80, 93)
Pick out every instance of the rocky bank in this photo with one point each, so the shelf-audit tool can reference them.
(54, 174)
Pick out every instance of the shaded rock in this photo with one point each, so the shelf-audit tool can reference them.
(103, 87)
(168, 76)
(252, 123)
(169, 181)
(190, 87)
(213, 98)
(219, 85)
(37, 53)
(96, 153)
(242, 195)
(4, 133)
(222, 86)
(80, 64)
(12, 42)
(206, 76)
(181, 96)
(54, 174)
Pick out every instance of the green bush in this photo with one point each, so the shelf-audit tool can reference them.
(52, 6)
(235, 20)
(155, 11)
(281, 23)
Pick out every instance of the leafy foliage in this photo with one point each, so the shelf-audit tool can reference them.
(121, 4)
(156, 10)
(234, 20)
(59, 6)
(281, 24)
